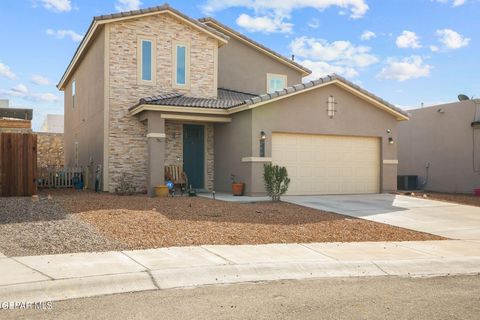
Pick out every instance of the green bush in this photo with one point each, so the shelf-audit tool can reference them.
(276, 180)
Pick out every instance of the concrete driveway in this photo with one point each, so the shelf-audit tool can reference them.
(436, 217)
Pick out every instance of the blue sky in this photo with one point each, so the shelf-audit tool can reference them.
(405, 51)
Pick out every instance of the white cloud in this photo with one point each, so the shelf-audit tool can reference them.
(19, 90)
(6, 72)
(314, 23)
(408, 39)
(455, 3)
(40, 80)
(340, 52)
(323, 57)
(127, 5)
(57, 5)
(263, 24)
(322, 68)
(405, 69)
(357, 8)
(22, 91)
(367, 35)
(434, 48)
(61, 34)
(452, 39)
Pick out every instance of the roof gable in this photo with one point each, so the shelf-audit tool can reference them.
(99, 21)
(261, 48)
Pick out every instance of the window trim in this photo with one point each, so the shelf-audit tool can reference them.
(185, 44)
(140, 60)
(275, 75)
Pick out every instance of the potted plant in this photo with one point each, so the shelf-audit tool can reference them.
(237, 187)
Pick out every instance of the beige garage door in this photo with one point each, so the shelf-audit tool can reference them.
(322, 164)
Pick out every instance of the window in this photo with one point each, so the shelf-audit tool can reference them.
(146, 60)
(74, 92)
(181, 65)
(276, 82)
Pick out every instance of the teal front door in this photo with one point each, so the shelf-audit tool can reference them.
(194, 154)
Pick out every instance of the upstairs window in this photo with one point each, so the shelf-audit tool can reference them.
(74, 92)
(276, 82)
(181, 64)
(146, 60)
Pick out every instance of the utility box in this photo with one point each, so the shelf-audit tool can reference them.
(407, 182)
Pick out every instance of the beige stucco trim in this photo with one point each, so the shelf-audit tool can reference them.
(156, 135)
(106, 109)
(195, 118)
(276, 75)
(185, 44)
(153, 66)
(398, 115)
(96, 24)
(230, 34)
(256, 159)
(386, 161)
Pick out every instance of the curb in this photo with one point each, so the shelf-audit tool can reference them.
(64, 289)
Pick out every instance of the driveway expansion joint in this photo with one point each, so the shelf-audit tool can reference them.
(32, 268)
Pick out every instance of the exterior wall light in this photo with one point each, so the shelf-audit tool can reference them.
(331, 107)
(263, 137)
(390, 140)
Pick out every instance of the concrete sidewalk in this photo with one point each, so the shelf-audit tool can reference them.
(67, 276)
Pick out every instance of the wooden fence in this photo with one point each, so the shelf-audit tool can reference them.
(51, 177)
(18, 164)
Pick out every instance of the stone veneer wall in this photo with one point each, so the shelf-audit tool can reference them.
(127, 135)
(174, 148)
(50, 151)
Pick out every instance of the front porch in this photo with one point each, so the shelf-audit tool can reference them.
(186, 141)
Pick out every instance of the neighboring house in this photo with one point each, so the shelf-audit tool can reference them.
(15, 120)
(441, 145)
(53, 123)
(154, 87)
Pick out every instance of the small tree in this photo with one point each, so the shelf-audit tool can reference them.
(276, 180)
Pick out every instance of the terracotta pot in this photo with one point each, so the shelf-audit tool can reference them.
(238, 188)
(161, 191)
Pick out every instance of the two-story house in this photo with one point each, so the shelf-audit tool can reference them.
(154, 87)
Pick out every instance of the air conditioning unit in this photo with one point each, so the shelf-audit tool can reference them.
(407, 182)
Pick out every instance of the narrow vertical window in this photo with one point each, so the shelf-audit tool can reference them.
(146, 56)
(74, 92)
(181, 65)
(146, 60)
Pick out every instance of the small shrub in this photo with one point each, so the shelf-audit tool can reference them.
(276, 181)
(125, 186)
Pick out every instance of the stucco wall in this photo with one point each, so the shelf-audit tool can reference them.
(84, 122)
(446, 141)
(305, 113)
(232, 142)
(50, 150)
(243, 68)
(127, 135)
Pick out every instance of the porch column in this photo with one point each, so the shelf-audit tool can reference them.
(156, 151)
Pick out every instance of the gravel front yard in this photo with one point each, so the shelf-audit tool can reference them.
(85, 221)
(467, 199)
